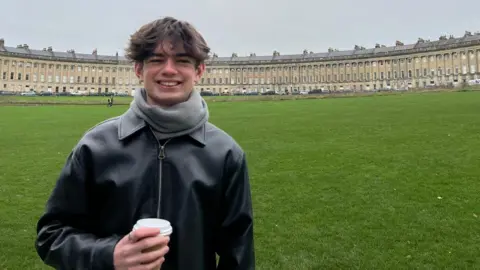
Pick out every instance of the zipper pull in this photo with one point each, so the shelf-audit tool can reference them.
(161, 155)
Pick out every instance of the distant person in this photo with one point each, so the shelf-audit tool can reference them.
(162, 158)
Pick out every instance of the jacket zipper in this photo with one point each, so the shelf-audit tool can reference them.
(161, 157)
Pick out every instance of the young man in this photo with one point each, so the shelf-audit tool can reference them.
(161, 159)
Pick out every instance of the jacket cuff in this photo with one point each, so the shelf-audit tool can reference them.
(102, 257)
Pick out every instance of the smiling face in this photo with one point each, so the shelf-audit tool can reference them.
(169, 74)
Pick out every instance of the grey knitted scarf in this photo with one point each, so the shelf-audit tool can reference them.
(177, 120)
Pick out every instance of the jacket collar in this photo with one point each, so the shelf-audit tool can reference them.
(130, 123)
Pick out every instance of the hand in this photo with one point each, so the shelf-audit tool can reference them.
(142, 249)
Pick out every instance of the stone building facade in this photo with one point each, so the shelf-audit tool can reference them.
(448, 61)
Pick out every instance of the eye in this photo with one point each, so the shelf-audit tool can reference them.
(184, 60)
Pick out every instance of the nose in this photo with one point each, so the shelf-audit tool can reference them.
(169, 67)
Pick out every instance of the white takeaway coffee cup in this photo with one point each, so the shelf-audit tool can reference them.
(162, 224)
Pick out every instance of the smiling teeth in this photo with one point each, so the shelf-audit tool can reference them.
(169, 83)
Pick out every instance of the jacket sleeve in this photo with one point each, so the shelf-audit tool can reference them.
(64, 240)
(235, 240)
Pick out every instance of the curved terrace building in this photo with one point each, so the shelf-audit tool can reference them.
(448, 61)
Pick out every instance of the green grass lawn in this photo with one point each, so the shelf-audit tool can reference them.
(125, 100)
(378, 182)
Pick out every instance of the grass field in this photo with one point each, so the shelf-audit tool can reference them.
(125, 100)
(384, 182)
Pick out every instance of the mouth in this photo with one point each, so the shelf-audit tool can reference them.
(168, 84)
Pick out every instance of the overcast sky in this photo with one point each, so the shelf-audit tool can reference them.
(241, 26)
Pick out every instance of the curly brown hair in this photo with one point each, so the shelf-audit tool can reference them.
(143, 42)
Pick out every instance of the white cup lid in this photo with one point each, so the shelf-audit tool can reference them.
(164, 225)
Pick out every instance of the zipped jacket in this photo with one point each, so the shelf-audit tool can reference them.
(119, 173)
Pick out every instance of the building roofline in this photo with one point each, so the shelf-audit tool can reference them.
(468, 39)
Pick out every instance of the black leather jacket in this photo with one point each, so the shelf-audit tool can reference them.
(119, 173)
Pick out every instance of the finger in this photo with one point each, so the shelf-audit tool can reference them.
(134, 250)
(141, 233)
(149, 257)
(149, 242)
(155, 265)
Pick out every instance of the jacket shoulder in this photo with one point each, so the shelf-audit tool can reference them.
(222, 141)
(107, 124)
(101, 135)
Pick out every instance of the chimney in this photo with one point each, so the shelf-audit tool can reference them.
(2, 42)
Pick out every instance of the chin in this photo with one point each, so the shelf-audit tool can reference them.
(169, 99)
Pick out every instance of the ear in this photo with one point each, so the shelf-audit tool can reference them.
(139, 70)
(199, 71)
